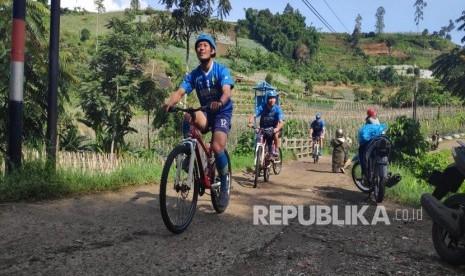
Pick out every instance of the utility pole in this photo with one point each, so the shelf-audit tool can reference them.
(53, 73)
(15, 102)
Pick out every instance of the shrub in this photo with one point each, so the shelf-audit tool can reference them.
(407, 138)
(85, 34)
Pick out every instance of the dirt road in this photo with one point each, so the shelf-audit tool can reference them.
(122, 233)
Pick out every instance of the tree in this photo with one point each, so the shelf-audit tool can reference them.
(135, 5)
(358, 23)
(100, 9)
(150, 96)
(461, 27)
(380, 20)
(191, 16)
(355, 37)
(109, 91)
(218, 26)
(445, 30)
(390, 42)
(284, 33)
(419, 6)
(450, 69)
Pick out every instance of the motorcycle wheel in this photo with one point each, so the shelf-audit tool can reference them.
(451, 250)
(357, 178)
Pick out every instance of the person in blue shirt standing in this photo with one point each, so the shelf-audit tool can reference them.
(213, 84)
(318, 130)
(271, 116)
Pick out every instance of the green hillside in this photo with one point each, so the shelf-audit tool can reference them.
(334, 52)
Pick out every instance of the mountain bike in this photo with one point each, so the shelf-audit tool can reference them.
(189, 171)
(263, 159)
(315, 149)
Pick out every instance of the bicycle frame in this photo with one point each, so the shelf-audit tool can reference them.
(315, 143)
(194, 140)
(260, 144)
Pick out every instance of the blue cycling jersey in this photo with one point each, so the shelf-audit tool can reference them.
(317, 126)
(269, 117)
(209, 85)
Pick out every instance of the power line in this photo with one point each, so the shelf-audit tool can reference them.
(336, 16)
(319, 16)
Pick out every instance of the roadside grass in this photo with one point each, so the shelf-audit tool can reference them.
(34, 181)
(409, 189)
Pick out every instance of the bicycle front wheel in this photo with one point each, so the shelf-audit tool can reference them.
(178, 198)
(316, 149)
(258, 167)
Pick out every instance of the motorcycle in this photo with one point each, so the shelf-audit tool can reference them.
(448, 232)
(376, 178)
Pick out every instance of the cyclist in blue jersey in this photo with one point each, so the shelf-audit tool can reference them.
(271, 115)
(318, 130)
(213, 84)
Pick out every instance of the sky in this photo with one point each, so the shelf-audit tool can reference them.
(340, 14)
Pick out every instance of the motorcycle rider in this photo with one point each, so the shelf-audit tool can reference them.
(371, 119)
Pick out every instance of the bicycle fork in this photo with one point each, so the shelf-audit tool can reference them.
(262, 156)
(192, 144)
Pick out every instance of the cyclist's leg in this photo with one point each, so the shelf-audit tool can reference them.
(276, 141)
(220, 136)
(200, 122)
(320, 142)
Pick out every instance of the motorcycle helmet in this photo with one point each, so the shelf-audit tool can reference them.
(371, 112)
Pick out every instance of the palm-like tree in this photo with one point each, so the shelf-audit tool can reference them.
(461, 27)
(450, 68)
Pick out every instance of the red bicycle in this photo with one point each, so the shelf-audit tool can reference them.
(189, 171)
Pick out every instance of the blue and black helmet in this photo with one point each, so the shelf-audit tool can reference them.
(318, 116)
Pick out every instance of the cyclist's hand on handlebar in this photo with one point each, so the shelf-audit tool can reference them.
(215, 106)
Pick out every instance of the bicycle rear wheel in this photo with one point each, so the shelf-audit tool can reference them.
(278, 162)
(258, 162)
(215, 191)
(178, 199)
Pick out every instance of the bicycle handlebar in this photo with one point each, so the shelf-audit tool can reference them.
(189, 110)
(260, 128)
